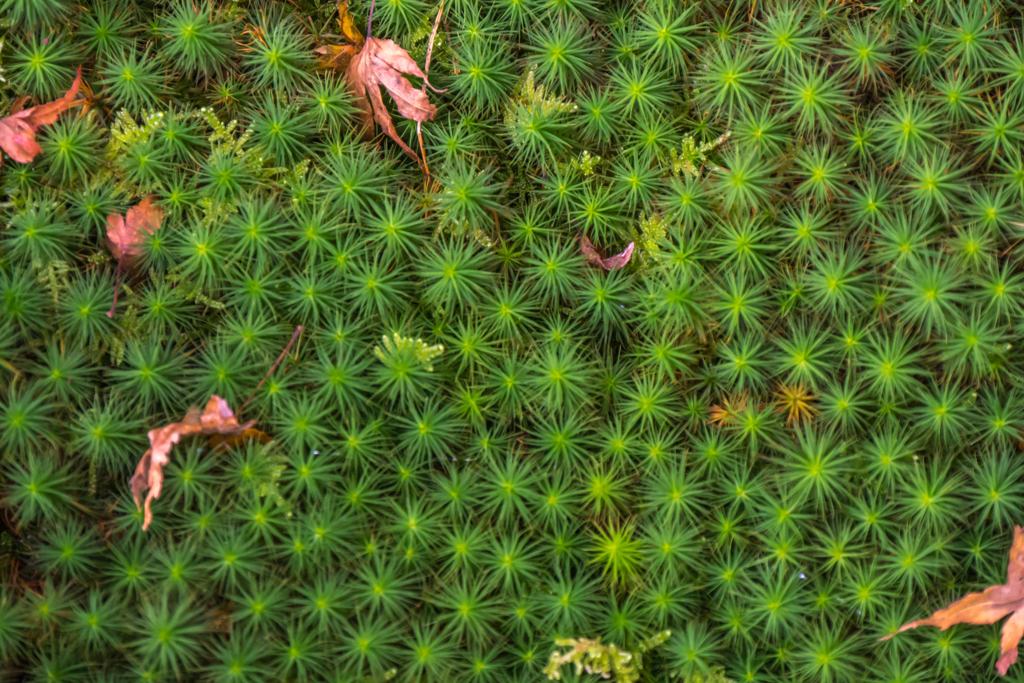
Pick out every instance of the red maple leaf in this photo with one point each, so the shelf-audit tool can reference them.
(125, 235)
(18, 130)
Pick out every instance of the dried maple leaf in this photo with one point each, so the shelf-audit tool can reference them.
(216, 418)
(18, 130)
(594, 257)
(988, 607)
(126, 233)
(383, 63)
(372, 63)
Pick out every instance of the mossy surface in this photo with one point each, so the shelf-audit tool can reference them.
(790, 424)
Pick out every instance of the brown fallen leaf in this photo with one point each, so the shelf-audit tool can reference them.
(370, 64)
(217, 418)
(383, 63)
(125, 235)
(18, 130)
(988, 607)
(594, 257)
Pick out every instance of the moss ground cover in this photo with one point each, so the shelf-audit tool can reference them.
(699, 317)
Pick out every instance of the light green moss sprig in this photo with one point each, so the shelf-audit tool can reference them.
(231, 139)
(54, 275)
(117, 352)
(194, 294)
(532, 102)
(294, 180)
(530, 94)
(691, 157)
(419, 38)
(125, 131)
(269, 486)
(424, 353)
(605, 660)
(482, 238)
(653, 230)
(225, 137)
(586, 163)
(201, 298)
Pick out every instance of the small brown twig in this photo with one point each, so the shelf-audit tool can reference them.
(423, 88)
(423, 153)
(430, 44)
(9, 366)
(369, 20)
(284, 352)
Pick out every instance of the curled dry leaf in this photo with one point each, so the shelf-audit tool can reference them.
(18, 130)
(126, 233)
(338, 57)
(216, 419)
(594, 257)
(988, 607)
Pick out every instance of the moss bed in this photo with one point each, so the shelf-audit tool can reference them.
(686, 320)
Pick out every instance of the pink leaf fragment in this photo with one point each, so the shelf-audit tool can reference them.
(594, 257)
(125, 234)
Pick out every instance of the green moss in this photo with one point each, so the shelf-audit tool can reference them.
(787, 426)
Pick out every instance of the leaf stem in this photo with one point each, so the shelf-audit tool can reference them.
(117, 287)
